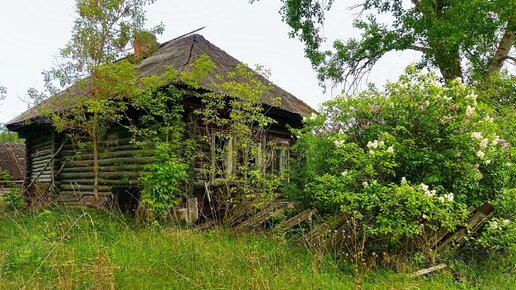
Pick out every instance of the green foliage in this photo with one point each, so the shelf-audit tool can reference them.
(235, 126)
(13, 199)
(416, 153)
(162, 180)
(60, 248)
(161, 129)
(101, 33)
(500, 233)
(232, 114)
(6, 136)
(445, 32)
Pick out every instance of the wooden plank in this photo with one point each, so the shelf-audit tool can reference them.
(275, 208)
(429, 270)
(473, 225)
(322, 230)
(297, 219)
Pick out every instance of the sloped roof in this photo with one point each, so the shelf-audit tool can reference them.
(12, 159)
(181, 53)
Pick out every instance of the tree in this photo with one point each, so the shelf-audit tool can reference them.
(462, 39)
(101, 33)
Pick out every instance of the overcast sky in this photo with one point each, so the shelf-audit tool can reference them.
(33, 31)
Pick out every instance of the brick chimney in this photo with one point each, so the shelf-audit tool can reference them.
(144, 44)
(138, 48)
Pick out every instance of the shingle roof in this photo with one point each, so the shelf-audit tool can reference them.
(181, 53)
(12, 159)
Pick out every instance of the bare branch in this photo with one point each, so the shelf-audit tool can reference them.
(419, 48)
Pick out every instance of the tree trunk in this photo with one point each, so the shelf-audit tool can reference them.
(94, 141)
(503, 49)
(448, 63)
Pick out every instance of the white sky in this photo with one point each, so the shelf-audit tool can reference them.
(33, 31)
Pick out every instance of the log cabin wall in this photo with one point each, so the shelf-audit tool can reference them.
(68, 176)
(120, 164)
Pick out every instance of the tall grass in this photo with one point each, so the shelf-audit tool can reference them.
(63, 248)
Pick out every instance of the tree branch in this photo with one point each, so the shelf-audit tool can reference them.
(511, 58)
(419, 48)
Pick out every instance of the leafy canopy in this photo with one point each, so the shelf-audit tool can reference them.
(462, 39)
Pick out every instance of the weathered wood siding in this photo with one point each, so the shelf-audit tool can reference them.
(39, 152)
(120, 164)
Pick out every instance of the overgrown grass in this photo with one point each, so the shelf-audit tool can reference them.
(65, 248)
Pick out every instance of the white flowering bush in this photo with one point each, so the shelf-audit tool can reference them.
(417, 153)
(500, 233)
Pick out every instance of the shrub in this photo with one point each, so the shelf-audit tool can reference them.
(162, 181)
(416, 153)
(13, 198)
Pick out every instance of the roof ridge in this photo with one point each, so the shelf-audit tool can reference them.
(182, 36)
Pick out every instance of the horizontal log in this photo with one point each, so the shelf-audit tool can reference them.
(113, 161)
(121, 168)
(83, 181)
(83, 188)
(40, 161)
(115, 154)
(45, 174)
(43, 180)
(102, 175)
(102, 181)
(41, 152)
(41, 142)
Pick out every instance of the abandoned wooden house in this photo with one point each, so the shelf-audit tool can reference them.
(53, 165)
(12, 162)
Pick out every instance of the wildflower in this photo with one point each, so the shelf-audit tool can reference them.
(425, 216)
(493, 225)
(476, 135)
(449, 196)
(403, 180)
(483, 143)
(447, 98)
(441, 198)
(489, 119)
(506, 222)
(481, 154)
(487, 162)
(365, 184)
(472, 96)
(313, 116)
(390, 150)
(338, 143)
(424, 187)
(344, 173)
(432, 193)
(477, 166)
(371, 152)
(381, 144)
(470, 111)
(446, 119)
(372, 144)
(375, 109)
